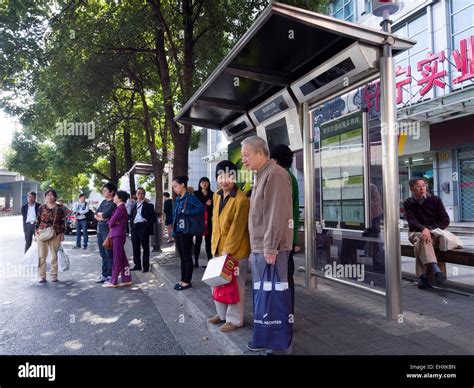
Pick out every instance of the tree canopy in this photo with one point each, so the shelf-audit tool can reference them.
(96, 84)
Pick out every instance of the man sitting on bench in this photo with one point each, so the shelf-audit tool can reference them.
(425, 212)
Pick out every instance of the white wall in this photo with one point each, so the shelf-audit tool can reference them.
(197, 167)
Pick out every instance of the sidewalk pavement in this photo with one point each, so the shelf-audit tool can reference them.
(341, 320)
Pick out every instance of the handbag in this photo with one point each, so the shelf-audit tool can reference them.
(206, 223)
(272, 311)
(107, 244)
(192, 224)
(227, 293)
(48, 233)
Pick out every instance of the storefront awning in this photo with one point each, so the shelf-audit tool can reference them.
(283, 44)
(450, 106)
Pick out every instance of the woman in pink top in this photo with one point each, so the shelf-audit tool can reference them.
(117, 225)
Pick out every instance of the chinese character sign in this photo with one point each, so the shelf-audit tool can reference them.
(400, 84)
(463, 59)
(428, 68)
(430, 74)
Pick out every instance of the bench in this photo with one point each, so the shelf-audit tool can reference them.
(463, 256)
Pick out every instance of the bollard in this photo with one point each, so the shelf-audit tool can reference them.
(158, 235)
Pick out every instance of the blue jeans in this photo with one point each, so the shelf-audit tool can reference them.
(81, 226)
(106, 254)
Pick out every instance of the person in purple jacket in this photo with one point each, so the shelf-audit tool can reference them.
(117, 229)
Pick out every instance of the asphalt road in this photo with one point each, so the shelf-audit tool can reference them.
(75, 315)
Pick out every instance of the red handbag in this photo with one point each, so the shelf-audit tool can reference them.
(107, 244)
(227, 293)
(206, 223)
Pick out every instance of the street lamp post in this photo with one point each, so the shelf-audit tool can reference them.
(390, 175)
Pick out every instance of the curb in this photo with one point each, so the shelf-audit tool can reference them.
(201, 312)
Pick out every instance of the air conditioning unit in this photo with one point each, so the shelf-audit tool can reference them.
(238, 127)
(356, 62)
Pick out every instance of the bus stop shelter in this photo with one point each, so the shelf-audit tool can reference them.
(310, 58)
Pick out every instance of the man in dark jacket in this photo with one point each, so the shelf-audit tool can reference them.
(143, 218)
(29, 211)
(424, 213)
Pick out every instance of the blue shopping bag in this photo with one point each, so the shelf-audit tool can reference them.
(272, 312)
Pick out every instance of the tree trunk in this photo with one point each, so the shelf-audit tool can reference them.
(180, 136)
(157, 164)
(113, 161)
(128, 155)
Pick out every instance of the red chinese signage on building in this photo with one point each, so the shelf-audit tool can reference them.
(464, 60)
(429, 73)
(428, 68)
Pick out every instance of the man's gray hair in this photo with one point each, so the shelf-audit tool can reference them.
(412, 182)
(257, 144)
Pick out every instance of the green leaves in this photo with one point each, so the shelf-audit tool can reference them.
(125, 67)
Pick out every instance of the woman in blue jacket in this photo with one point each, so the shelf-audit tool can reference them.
(186, 206)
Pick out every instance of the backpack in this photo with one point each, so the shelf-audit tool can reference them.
(90, 215)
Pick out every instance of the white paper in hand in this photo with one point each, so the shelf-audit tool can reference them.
(218, 271)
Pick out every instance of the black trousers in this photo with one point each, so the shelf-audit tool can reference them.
(291, 280)
(141, 239)
(184, 245)
(29, 230)
(197, 247)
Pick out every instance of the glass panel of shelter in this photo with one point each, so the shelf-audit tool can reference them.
(348, 247)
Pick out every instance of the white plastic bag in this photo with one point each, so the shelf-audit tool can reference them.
(447, 240)
(63, 260)
(31, 257)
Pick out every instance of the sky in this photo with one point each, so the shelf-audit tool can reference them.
(7, 127)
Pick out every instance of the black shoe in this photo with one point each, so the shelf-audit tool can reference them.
(423, 283)
(254, 349)
(439, 277)
(145, 270)
(181, 287)
(136, 268)
(196, 265)
(177, 285)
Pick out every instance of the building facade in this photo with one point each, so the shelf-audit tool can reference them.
(14, 189)
(435, 95)
(435, 99)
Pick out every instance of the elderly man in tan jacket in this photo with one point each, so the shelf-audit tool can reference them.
(271, 213)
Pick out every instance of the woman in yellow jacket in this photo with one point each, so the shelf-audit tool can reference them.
(230, 236)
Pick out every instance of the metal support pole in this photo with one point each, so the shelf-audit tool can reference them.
(367, 180)
(308, 157)
(390, 179)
